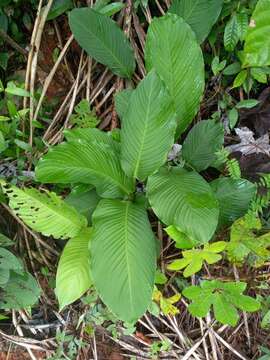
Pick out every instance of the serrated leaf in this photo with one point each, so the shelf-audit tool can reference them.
(257, 41)
(20, 292)
(184, 199)
(45, 212)
(201, 15)
(172, 50)
(123, 258)
(231, 34)
(103, 40)
(234, 197)
(201, 144)
(148, 128)
(87, 163)
(73, 276)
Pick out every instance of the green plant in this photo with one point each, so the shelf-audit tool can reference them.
(18, 289)
(132, 174)
(225, 298)
(193, 259)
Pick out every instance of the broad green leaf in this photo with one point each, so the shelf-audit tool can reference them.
(148, 128)
(87, 163)
(201, 15)
(234, 197)
(201, 308)
(45, 212)
(172, 50)
(85, 202)
(103, 40)
(247, 104)
(231, 34)
(8, 261)
(20, 292)
(224, 312)
(245, 303)
(123, 258)
(73, 277)
(182, 241)
(58, 8)
(201, 144)
(121, 101)
(184, 199)
(94, 136)
(4, 276)
(257, 41)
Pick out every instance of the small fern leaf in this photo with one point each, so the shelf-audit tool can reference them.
(44, 212)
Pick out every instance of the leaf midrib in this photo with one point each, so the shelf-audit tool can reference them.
(144, 133)
(126, 255)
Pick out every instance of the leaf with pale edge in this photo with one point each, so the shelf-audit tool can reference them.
(148, 128)
(184, 199)
(123, 258)
(73, 277)
(172, 50)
